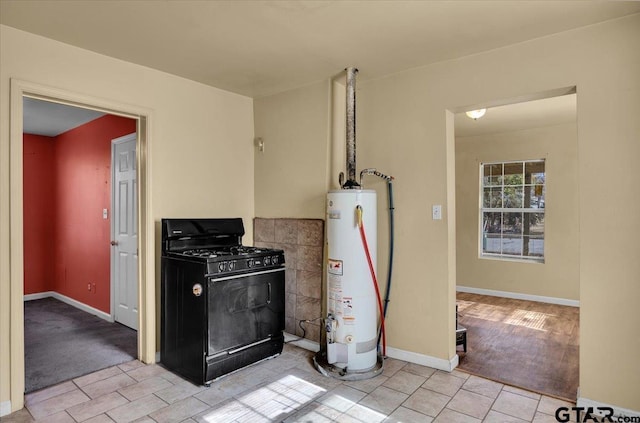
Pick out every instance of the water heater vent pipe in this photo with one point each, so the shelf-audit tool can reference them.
(351, 182)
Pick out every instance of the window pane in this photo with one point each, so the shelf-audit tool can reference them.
(492, 198)
(534, 246)
(491, 223)
(491, 243)
(534, 172)
(512, 223)
(513, 197)
(533, 229)
(491, 227)
(535, 224)
(513, 174)
(536, 196)
(512, 245)
(492, 174)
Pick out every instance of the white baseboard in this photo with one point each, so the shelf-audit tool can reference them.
(617, 411)
(5, 408)
(519, 296)
(424, 360)
(38, 296)
(75, 303)
(302, 343)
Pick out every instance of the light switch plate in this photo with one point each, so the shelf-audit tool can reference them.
(105, 214)
(436, 212)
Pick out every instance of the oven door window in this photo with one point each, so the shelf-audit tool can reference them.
(244, 310)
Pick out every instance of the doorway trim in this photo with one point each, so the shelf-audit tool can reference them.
(146, 266)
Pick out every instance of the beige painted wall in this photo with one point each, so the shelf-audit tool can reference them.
(402, 117)
(558, 276)
(404, 129)
(291, 173)
(200, 141)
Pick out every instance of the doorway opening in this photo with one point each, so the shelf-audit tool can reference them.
(517, 244)
(67, 224)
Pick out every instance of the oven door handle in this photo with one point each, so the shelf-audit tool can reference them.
(269, 293)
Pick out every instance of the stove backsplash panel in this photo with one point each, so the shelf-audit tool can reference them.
(302, 241)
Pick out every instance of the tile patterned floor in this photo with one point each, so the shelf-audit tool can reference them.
(285, 389)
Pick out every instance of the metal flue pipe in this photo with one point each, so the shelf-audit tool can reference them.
(351, 182)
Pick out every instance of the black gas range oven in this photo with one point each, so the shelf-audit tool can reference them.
(222, 304)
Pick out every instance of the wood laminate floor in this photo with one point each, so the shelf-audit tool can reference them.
(527, 344)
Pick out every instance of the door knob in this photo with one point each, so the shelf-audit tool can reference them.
(114, 243)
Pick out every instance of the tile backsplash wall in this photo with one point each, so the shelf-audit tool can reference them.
(303, 242)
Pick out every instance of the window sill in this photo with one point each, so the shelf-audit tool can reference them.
(512, 259)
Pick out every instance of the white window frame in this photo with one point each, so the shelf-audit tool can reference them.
(482, 210)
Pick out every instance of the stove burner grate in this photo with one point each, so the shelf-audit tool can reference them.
(232, 251)
(206, 253)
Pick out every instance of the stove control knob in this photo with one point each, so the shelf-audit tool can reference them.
(232, 265)
(267, 261)
(250, 263)
(221, 266)
(275, 260)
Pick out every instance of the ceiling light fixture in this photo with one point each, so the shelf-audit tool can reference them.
(476, 114)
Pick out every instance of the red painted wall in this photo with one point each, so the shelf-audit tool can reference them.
(38, 212)
(82, 188)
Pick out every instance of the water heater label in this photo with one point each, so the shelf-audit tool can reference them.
(335, 267)
(348, 317)
(335, 299)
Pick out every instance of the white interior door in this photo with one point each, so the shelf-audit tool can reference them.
(124, 253)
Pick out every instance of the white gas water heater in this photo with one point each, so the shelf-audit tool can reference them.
(354, 321)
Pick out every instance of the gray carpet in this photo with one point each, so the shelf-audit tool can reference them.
(63, 342)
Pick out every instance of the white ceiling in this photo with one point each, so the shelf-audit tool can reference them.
(257, 48)
(52, 119)
(518, 116)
